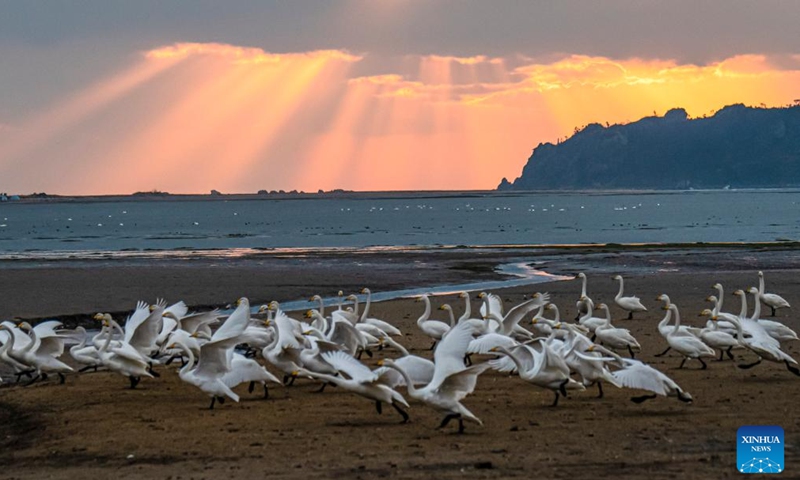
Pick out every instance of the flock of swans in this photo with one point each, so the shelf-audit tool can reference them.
(549, 353)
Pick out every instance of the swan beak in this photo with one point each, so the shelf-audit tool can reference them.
(441, 307)
(98, 316)
(557, 326)
(380, 362)
(267, 322)
(363, 291)
(295, 373)
(590, 349)
(307, 332)
(665, 307)
(311, 299)
(534, 321)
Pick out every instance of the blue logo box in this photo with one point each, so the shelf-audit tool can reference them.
(759, 449)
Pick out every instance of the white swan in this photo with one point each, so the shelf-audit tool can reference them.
(42, 351)
(776, 330)
(381, 324)
(122, 358)
(615, 337)
(432, 328)
(717, 338)
(630, 304)
(86, 356)
(771, 300)
(665, 329)
(451, 381)
(687, 345)
(543, 368)
(360, 380)
(581, 304)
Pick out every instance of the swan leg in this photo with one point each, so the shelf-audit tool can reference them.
(221, 400)
(447, 420)
(460, 425)
(750, 365)
(153, 372)
(379, 407)
(630, 350)
(134, 381)
(433, 345)
(704, 363)
(33, 380)
(599, 389)
(682, 362)
(61, 378)
(87, 367)
(791, 368)
(773, 311)
(27, 373)
(643, 398)
(401, 412)
(44, 376)
(728, 351)
(266, 391)
(213, 401)
(555, 402)
(664, 352)
(721, 354)
(368, 352)
(322, 388)
(630, 315)
(563, 387)
(468, 359)
(251, 387)
(594, 336)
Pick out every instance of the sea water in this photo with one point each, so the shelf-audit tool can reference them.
(34, 230)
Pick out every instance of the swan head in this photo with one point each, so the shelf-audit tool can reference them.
(385, 362)
(550, 306)
(445, 307)
(752, 290)
(364, 291)
(243, 301)
(25, 326)
(536, 295)
(717, 286)
(169, 315)
(315, 298)
(262, 309)
(309, 314)
(760, 274)
(602, 306)
(482, 295)
(534, 321)
(463, 295)
(557, 325)
(707, 313)
(711, 298)
(340, 294)
(662, 298)
(581, 275)
(616, 277)
(352, 298)
(591, 348)
(739, 293)
(273, 306)
(98, 316)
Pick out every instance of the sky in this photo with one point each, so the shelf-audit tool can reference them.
(100, 97)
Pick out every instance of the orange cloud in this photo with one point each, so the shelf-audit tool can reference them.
(190, 117)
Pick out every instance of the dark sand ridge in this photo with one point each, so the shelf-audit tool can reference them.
(93, 424)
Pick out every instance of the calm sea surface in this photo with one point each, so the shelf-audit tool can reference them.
(43, 230)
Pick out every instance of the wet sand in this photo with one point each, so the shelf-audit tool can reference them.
(95, 426)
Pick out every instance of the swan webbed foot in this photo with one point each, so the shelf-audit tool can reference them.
(773, 311)
(433, 345)
(749, 365)
(468, 360)
(683, 397)
(134, 381)
(563, 387)
(643, 398)
(322, 388)
(663, 353)
(460, 425)
(792, 368)
(401, 412)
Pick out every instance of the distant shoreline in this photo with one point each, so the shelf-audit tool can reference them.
(357, 195)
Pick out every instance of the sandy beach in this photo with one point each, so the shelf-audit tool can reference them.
(94, 426)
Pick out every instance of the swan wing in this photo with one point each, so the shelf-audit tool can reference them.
(460, 384)
(214, 358)
(449, 354)
(354, 369)
(192, 322)
(178, 309)
(345, 335)
(349, 317)
(495, 305)
(135, 319)
(52, 346)
(383, 325)
(236, 323)
(485, 343)
(126, 351)
(517, 313)
(643, 377)
(246, 370)
(144, 336)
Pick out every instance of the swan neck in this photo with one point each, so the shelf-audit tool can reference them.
(757, 307)
(621, 288)
(412, 390)
(427, 314)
